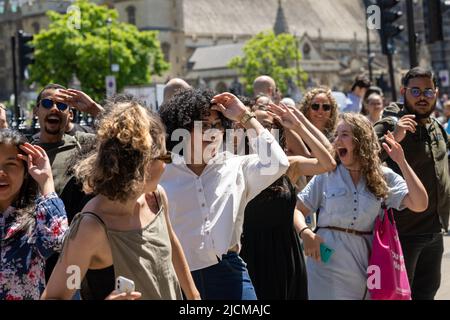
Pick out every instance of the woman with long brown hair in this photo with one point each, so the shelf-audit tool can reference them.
(349, 199)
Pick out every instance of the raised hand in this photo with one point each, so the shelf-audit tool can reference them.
(284, 115)
(79, 100)
(229, 105)
(406, 123)
(394, 149)
(38, 167)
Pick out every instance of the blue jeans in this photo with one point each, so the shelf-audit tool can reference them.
(226, 280)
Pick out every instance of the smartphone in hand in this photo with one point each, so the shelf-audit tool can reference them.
(124, 285)
(325, 252)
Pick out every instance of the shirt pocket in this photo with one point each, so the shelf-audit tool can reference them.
(369, 206)
(335, 200)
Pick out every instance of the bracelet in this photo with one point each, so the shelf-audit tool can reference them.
(301, 231)
(246, 117)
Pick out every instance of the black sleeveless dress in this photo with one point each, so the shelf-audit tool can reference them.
(271, 247)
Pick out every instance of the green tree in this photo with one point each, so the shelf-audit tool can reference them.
(268, 54)
(66, 49)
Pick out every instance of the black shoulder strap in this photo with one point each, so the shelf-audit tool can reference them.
(95, 216)
(74, 226)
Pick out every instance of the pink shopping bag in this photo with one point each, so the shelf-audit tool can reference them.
(387, 255)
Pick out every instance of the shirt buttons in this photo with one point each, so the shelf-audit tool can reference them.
(354, 218)
(356, 201)
(203, 205)
(199, 190)
(354, 209)
(354, 193)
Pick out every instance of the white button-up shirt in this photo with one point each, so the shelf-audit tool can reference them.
(207, 211)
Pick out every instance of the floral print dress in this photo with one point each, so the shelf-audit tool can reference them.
(23, 251)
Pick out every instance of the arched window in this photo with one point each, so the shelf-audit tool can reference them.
(131, 12)
(165, 47)
(306, 51)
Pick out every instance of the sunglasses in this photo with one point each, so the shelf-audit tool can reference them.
(427, 93)
(325, 107)
(48, 104)
(166, 158)
(208, 126)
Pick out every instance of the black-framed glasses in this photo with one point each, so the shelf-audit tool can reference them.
(48, 104)
(325, 106)
(427, 93)
(166, 158)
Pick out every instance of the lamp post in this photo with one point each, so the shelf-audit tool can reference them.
(370, 54)
(108, 23)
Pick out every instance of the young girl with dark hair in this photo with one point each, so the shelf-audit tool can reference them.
(32, 220)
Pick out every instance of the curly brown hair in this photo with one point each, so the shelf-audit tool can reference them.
(305, 107)
(367, 149)
(129, 137)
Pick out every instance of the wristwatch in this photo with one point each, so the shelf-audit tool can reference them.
(246, 117)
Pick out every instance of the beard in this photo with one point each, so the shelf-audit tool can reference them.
(52, 132)
(418, 115)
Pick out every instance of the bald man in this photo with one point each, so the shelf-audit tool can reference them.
(172, 86)
(267, 86)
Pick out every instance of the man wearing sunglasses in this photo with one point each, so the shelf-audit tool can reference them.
(425, 144)
(53, 111)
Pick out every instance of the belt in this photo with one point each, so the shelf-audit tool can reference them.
(347, 230)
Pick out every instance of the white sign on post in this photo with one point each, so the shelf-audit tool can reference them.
(146, 94)
(111, 88)
(115, 67)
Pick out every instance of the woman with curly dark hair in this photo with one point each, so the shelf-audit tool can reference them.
(124, 230)
(350, 199)
(208, 189)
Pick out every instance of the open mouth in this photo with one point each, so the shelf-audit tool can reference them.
(3, 185)
(53, 120)
(422, 104)
(342, 152)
